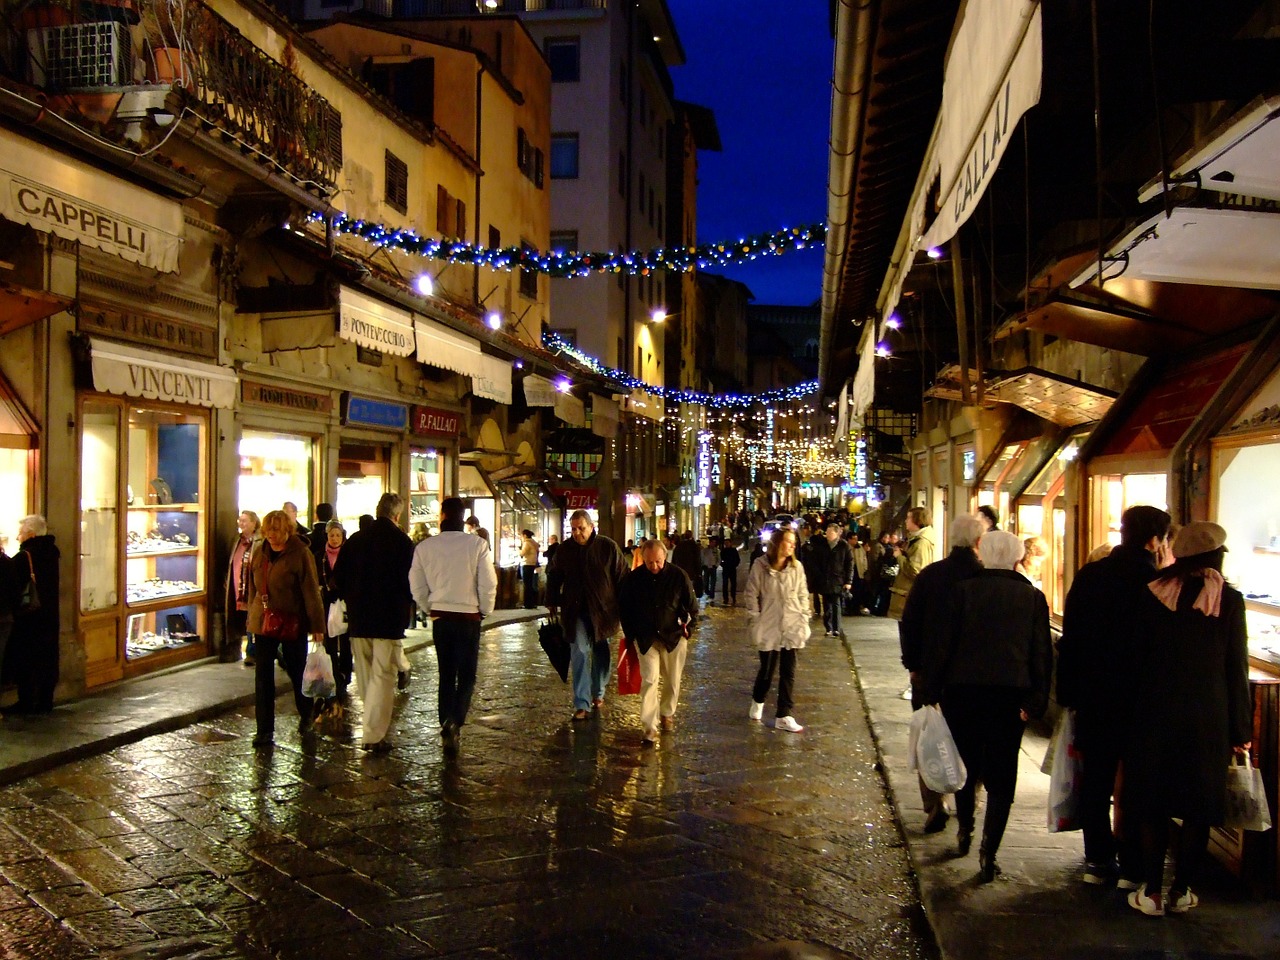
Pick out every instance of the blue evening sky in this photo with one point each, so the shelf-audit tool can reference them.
(764, 68)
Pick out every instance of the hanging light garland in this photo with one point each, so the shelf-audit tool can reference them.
(554, 341)
(579, 263)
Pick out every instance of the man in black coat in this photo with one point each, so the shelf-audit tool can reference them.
(373, 578)
(829, 569)
(924, 621)
(657, 605)
(1098, 668)
(582, 581)
(687, 555)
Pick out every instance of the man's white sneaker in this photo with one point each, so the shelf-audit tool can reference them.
(1181, 902)
(756, 711)
(1152, 906)
(788, 724)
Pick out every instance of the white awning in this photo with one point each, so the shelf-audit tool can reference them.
(992, 78)
(471, 482)
(864, 381)
(1240, 157)
(439, 346)
(375, 324)
(571, 410)
(56, 194)
(130, 372)
(1202, 245)
(494, 380)
(539, 391)
(605, 416)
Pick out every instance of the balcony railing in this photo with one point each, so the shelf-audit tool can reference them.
(410, 9)
(254, 98)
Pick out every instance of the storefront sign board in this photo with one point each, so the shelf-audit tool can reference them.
(128, 371)
(539, 391)
(433, 422)
(374, 324)
(366, 412)
(55, 194)
(272, 395)
(181, 336)
(578, 498)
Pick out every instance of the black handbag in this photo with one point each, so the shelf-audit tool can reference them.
(551, 638)
(29, 598)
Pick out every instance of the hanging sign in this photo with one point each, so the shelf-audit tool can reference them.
(578, 498)
(367, 412)
(539, 391)
(431, 422)
(575, 453)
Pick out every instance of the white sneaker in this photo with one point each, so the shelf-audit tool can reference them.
(756, 711)
(788, 724)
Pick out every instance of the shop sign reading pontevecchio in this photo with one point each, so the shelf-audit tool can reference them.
(431, 421)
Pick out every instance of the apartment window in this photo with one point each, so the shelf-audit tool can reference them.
(396, 193)
(564, 241)
(564, 156)
(564, 58)
(528, 158)
(460, 211)
(444, 212)
(410, 86)
(537, 167)
(495, 238)
(528, 278)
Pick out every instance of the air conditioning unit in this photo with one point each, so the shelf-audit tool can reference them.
(80, 55)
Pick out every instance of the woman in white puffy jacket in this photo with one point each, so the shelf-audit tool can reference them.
(777, 602)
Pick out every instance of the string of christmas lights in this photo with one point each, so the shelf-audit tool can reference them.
(574, 263)
(554, 341)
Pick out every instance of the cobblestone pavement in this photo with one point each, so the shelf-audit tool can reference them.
(543, 838)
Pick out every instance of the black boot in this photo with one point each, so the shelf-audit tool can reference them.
(988, 869)
(964, 841)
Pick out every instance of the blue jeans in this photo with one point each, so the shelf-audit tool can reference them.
(588, 686)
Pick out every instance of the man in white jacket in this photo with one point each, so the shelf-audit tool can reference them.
(453, 579)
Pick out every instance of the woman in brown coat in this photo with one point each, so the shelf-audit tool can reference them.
(284, 580)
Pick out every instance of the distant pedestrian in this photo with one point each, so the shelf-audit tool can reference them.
(657, 607)
(319, 532)
(710, 566)
(12, 581)
(236, 591)
(777, 603)
(291, 511)
(473, 526)
(990, 519)
(913, 556)
(922, 629)
(832, 575)
(33, 643)
(730, 560)
(529, 563)
(338, 646)
(373, 577)
(283, 579)
(991, 675)
(453, 579)
(1192, 710)
(687, 555)
(582, 590)
(553, 544)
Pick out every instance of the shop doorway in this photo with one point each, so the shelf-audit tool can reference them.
(17, 461)
(364, 475)
(274, 468)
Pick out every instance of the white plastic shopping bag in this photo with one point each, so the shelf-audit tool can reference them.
(317, 675)
(1247, 807)
(1066, 775)
(337, 618)
(934, 753)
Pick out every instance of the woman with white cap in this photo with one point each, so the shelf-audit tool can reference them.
(1193, 709)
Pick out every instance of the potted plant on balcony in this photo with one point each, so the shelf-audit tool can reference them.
(166, 46)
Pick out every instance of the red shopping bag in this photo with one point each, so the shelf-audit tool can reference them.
(628, 667)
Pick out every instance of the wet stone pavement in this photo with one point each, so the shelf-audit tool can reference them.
(544, 838)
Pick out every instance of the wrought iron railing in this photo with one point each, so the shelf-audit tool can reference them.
(409, 9)
(257, 100)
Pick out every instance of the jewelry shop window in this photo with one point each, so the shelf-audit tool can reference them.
(424, 490)
(165, 555)
(274, 468)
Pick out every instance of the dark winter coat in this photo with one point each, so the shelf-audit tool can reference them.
(13, 577)
(372, 576)
(288, 581)
(582, 581)
(998, 637)
(654, 607)
(830, 566)
(924, 618)
(805, 554)
(687, 555)
(42, 626)
(1192, 706)
(1098, 659)
(730, 559)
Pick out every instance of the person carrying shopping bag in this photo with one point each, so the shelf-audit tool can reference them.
(777, 604)
(284, 610)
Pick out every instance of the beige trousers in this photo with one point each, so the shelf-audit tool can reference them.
(376, 661)
(667, 666)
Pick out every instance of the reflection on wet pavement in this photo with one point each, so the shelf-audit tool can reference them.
(543, 838)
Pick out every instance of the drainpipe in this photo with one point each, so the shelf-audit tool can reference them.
(854, 23)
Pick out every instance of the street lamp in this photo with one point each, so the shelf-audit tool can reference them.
(658, 316)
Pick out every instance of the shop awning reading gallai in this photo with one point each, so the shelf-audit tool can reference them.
(130, 372)
(59, 195)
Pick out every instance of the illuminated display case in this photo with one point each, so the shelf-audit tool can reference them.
(425, 489)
